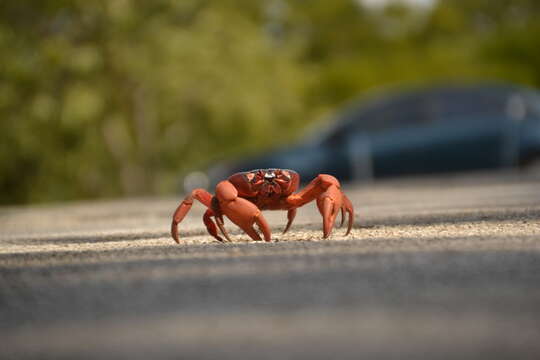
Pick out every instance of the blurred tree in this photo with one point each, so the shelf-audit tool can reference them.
(119, 97)
(116, 97)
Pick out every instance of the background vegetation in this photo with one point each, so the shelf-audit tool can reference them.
(121, 97)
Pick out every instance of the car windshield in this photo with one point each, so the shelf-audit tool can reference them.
(317, 133)
(323, 131)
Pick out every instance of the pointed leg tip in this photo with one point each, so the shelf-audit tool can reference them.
(342, 217)
(174, 232)
(177, 240)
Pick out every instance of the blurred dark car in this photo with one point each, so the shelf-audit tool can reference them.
(432, 130)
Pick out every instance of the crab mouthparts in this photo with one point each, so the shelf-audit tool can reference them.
(271, 189)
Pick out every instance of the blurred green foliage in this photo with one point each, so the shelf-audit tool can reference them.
(121, 97)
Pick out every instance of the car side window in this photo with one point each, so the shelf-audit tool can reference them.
(388, 115)
(402, 112)
(468, 104)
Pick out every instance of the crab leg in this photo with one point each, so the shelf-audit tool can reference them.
(211, 226)
(221, 225)
(347, 206)
(290, 217)
(204, 197)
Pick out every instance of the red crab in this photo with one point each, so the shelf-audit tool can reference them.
(243, 195)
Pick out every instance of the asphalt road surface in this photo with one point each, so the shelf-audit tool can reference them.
(442, 268)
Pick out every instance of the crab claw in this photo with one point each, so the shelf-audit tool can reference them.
(330, 201)
(241, 211)
(330, 204)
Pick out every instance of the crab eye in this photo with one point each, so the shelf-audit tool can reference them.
(286, 174)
